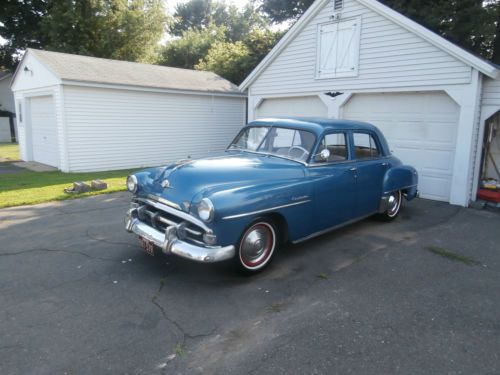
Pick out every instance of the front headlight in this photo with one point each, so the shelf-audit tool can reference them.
(206, 210)
(132, 183)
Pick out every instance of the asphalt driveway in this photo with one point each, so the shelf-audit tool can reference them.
(417, 296)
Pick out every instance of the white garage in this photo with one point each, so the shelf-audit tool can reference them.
(80, 113)
(360, 60)
(421, 129)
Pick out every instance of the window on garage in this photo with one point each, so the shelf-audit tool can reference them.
(338, 49)
(365, 146)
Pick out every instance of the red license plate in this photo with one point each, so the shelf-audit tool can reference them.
(147, 246)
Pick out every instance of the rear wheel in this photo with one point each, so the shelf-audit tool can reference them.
(394, 203)
(256, 247)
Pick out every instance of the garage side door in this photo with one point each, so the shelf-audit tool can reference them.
(421, 130)
(306, 106)
(44, 130)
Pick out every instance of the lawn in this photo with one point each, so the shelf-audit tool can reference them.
(36, 187)
(9, 151)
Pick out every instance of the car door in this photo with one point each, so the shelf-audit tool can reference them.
(371, 166)
(334, 183)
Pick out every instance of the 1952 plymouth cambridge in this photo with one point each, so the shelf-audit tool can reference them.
(280, 180)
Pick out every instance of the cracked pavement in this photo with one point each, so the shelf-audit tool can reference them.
(77, 296)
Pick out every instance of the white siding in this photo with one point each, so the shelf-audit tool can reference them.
(37, 76)
(114, 129)
(390, 57)
(6, 104)
(299, 106)
(6, 96)
(491, 92)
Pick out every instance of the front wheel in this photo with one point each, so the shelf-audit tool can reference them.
(394, 203)
(256, 247)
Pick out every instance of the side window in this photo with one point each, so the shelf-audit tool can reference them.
(337, 145)
(365, 146)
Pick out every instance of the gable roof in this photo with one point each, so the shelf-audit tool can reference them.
(86, 69)
(461, 54)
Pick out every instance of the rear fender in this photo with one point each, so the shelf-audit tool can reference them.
(402, 177)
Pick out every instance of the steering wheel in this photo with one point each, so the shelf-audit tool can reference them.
(304, 151)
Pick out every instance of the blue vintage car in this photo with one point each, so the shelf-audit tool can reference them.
(280, 180)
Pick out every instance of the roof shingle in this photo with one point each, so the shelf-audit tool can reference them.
(105, 71)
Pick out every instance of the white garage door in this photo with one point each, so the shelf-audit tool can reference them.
(421, 130)
(305, 106)
(44, 130)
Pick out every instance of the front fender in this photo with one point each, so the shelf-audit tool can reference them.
(401, 177)
(236, 208)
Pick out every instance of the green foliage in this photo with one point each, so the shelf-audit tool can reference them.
(285, 10)
(220, 38)
(202, 14)
(191, 47)
(119, 29)
(235, 60)
(228, 59)
(20, 26)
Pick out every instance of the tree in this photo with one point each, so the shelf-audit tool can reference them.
(20, 26)
(191, 47)
(285, 10)
(229, 60)
(235, 60)
(120, 29)
(200, 14)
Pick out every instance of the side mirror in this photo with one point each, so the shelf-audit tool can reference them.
(324, 155)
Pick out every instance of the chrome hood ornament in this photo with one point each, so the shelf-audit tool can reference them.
(165, 184)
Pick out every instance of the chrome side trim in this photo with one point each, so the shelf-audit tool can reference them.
(265, 210)
(181, 214)
(316, 234)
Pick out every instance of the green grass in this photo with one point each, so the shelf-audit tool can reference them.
(180, 349)
(452, 256)
(29, 187)
(9, 151)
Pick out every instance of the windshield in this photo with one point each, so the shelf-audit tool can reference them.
(285, 142)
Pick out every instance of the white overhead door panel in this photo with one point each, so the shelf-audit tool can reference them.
(305, 106)
(421, 130)
(44, 130)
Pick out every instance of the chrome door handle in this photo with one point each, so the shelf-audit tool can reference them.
(385, 164)
(353, 169)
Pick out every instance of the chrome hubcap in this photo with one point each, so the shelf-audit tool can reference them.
(393, 204)
(257, 245)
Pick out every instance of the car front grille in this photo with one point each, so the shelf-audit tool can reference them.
(151, 213)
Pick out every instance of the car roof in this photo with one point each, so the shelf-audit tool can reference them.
(316, 125)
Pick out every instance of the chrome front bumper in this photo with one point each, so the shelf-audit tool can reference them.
(171, 244)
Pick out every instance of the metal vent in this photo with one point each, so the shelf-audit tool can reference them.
(338, 4)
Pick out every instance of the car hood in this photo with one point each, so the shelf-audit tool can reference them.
(198, 178)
